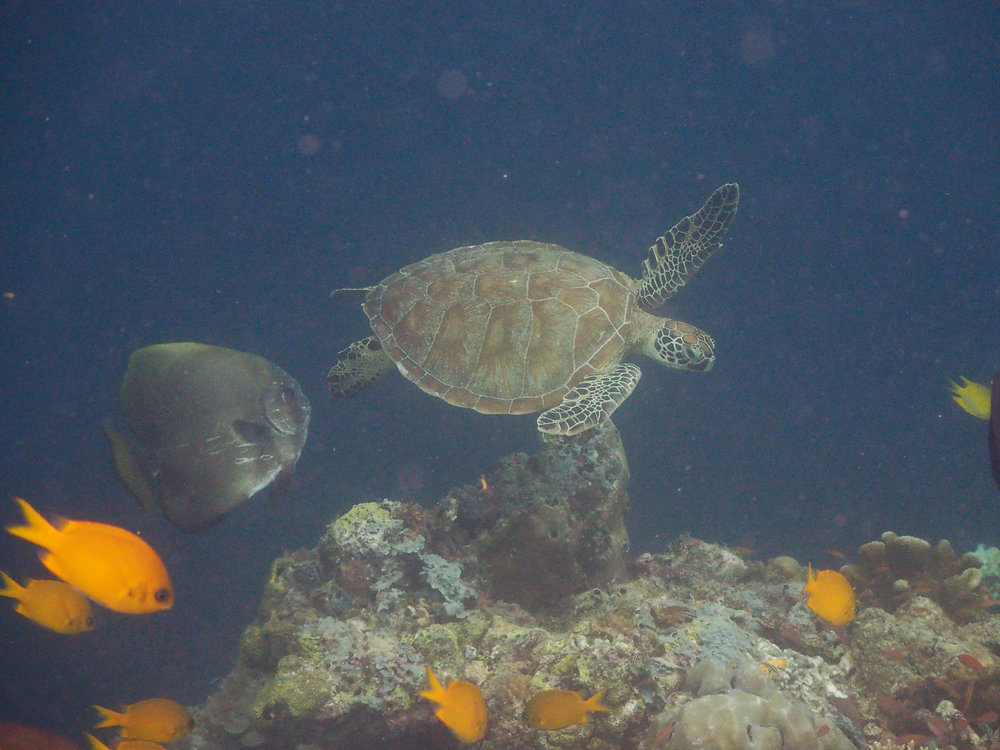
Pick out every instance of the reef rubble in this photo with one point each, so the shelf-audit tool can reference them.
(521, 581)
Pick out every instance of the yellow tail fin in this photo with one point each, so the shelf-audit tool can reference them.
(95, 743)
(109, 718)
(11, 587)
(594, 703)
(38, 531)
(436, 692)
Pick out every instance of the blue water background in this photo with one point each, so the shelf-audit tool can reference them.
(209, 171)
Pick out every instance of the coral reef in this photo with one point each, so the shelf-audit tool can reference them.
(550, 525)
(336, 656)
(738, 708)
(990, 569)
(521, 582)
(895, 569)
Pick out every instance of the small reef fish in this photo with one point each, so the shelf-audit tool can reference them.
(15, 736)
(830, 596)
(970, 661)
(52, 604)
(462, 708)
(154, 720)
(973, 397)
(112, 566)
(96, 744)
(556, 709)
(771, 667)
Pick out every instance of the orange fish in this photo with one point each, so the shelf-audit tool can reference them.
(112, 566)
(555, 709)
(462, 708)
(96, 744)
(154, 719)
(830, 596)
(20, 737)
(52, 604)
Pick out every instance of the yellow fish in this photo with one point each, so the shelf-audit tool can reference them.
(462, 708)
(555, 709)
(96, 744)
(112, 566)
(972, 397)
(154, 720)
(830, 596)
(52, 604)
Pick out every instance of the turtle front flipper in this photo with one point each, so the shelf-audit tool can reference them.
(593, 400)
(674, 257)
(357, 367)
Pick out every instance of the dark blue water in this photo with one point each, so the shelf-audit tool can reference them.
(209, 171)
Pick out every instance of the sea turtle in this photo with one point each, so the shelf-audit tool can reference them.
(518, 327)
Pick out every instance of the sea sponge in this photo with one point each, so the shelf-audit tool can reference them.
(738, 709)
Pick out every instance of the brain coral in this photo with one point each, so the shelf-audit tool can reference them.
(738, 709)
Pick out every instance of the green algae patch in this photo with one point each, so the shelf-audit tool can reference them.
(298, 689)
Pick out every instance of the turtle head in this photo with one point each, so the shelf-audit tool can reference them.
(682, 346)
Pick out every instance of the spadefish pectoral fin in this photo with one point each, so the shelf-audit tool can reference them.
(133, 467)
(252, 432)
(591, 401)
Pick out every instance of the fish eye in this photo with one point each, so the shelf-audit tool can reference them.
(90, 622)
(162, 596)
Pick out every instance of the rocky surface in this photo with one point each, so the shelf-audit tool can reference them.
(521, 581)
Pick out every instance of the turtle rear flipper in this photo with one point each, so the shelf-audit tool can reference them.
(357, 367)
(677, 255)
(593, 400)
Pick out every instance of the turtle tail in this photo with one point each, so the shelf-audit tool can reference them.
(354, 292)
